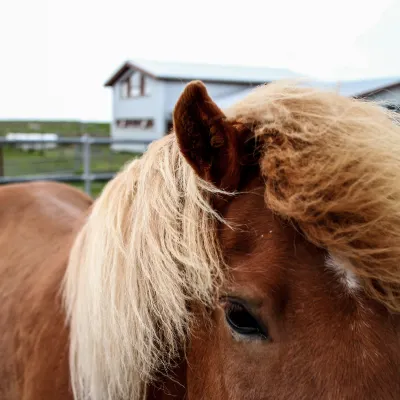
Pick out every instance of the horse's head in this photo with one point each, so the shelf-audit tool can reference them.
(256, 248)
(315, 223)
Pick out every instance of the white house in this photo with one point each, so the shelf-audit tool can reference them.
(383, 90)
(145, 93)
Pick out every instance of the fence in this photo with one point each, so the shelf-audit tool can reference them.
(72, 160)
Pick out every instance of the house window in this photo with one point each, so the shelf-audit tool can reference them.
(146, 88)
(144, 124)
(125, 88)
(135, 85)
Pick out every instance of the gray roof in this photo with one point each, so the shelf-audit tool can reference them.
(365, 86)
(205, 72)
(356, 88)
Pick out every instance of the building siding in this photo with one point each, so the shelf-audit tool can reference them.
(145, 107)
(133, 133)
(139, 107)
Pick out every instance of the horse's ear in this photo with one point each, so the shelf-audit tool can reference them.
(206, 139)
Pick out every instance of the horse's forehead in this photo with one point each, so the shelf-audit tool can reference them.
(267, 255)
(270, 261)
(256, 226)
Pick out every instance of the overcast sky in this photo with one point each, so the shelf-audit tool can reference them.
(57, 54)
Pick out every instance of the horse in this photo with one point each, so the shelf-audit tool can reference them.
(253, 253)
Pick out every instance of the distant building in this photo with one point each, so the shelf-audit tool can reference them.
(145, 93)
(34, 141)
(383, 90)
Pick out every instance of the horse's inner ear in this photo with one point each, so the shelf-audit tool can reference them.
(206, 139)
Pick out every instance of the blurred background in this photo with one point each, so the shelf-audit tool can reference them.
(86, 85)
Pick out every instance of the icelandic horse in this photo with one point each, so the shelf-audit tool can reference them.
(254, 253)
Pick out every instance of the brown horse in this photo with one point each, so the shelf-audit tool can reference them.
(252, 254)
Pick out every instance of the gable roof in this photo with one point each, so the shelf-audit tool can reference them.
(355, 88)
(164, 70)
(364, 87)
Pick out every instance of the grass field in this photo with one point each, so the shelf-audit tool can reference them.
(62, 128)
(63, 160)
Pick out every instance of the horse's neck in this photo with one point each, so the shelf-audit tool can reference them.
(173, 387)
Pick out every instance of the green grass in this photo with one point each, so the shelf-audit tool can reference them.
(63, 160)
(62, 128)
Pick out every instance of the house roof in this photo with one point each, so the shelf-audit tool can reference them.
(356, 88)
(367, 86)
(206, 72)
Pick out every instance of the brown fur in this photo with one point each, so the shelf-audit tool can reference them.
(325, 343)
(37, 224)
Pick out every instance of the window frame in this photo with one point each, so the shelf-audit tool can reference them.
(127, 86)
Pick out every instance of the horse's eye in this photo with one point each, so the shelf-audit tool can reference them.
(242, 321)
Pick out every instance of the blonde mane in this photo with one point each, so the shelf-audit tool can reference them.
(147, 248)
(331, 165)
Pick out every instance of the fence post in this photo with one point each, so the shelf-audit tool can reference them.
(1, 160)
(86, 163)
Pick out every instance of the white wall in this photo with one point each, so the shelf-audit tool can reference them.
(132, 133)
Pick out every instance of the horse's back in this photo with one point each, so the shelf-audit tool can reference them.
(38, 222)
